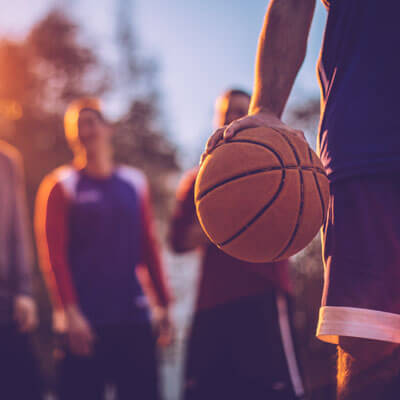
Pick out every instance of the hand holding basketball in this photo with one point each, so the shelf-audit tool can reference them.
(262, 196)
(259, 118)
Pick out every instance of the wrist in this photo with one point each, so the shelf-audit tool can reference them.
(259, 109)
(26, 296)
(72, 310)
(160, 311)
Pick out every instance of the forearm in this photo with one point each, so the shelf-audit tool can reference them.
(21, 240)
(281, 51)
(51, 228)
(194, 238)
(152, 260)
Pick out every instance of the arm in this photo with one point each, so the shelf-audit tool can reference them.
(21, 247)
(281, 51)
(21, 241)
(152, 261)
(151, 258)
(185, 231)
(52, 239)
(51, 223)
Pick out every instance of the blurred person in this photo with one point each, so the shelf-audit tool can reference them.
(18, 316)
(359, 145)
(94, 229)
(241, 343)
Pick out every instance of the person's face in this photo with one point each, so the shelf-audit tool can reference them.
(93, 132)
(230, 108)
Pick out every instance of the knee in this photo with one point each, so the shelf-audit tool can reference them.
(365, 365)
(365, 351)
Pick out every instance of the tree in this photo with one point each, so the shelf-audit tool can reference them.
(141, 139)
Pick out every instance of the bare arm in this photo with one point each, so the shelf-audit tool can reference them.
(185, 230)
(281, 51)
(195, 237)
(24, 304)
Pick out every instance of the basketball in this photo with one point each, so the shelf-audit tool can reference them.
(262, 196)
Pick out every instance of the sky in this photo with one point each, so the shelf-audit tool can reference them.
(202, 48)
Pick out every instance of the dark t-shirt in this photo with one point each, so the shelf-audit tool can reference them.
(358, 71)
(224, 278)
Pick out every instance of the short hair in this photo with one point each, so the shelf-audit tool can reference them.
(237, 92)
(222, 102)
(71, 116)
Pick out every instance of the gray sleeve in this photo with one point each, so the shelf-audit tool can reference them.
(21, 245)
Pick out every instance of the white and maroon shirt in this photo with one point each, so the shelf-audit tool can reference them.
(93, 233)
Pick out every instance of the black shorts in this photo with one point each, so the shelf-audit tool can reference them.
(20, 377)
(361, 246)
(243, 350)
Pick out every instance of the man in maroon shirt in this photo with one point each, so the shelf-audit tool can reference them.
(240, 346)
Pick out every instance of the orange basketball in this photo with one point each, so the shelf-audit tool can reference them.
(262, 196)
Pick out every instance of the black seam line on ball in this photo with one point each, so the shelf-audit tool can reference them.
(233, 178)
(319, 190)
(253, 172)
(265, 146)
(261, 212)
(272, 150)
(296, 228)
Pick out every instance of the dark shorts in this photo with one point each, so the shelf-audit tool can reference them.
(124, 356)
(243, 350)
(20, 378)
(361, 249)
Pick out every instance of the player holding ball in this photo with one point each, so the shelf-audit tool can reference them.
(359, 146)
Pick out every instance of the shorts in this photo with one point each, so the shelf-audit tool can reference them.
(243, 350)
(361, 251)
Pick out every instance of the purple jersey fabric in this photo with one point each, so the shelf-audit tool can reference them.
(105, 228)
(358, 71)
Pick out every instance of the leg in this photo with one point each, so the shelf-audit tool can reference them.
(208, 367)
(361, 303)
(261, 342)
(135, 363)
(81, 378)
(368, 369)
(18, 366)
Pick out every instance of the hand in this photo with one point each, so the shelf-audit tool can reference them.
(25, 313)
(165, 327)
(195, 237)
(257, 119)
(80, 335)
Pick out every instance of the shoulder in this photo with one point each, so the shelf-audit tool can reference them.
(64, 178)
(9, 156)
(187, 182)
(134, 177)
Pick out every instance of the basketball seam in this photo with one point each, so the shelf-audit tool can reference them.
(250, 173)
(319, 190)
(277, 155)
(262, 211)
(258, 215)
(299, 215)
(233, 178)
(265, 208)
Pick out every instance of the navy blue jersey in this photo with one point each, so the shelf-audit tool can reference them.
(97, 231)
(358, 68)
